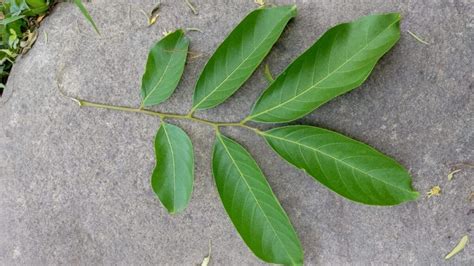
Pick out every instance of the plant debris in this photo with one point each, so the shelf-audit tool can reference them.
(153, 15)
(451, 175)
(28, 40)
(206, 260)
(418, 38)
(434, 191)
(194, 29)
(458, 248)
(194, 55)
(193, 9)
(260, 3)
(45, 37)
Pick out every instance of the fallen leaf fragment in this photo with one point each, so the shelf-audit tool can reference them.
(458, 248)
(434, 191)
(153, 16)
(152, 20)
(451, 175)
(261, 3)
(45, 37)
(28, 41)
(206, 260)
(40, 18)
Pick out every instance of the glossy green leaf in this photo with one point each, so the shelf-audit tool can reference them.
(164, 68)
(348, 167)
(251, 205)
(240, 54)
(37, 3)
(86, 14)
(338, 62)
(173, 176)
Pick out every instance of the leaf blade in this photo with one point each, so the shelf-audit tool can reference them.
(241, 184)
(237, 56)
(173, 176)
(338, 62)
(11, 19)
(350, 168)
(86, 14)
(164, 68)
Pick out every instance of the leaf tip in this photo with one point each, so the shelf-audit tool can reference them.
(415, 195)
(293, 9)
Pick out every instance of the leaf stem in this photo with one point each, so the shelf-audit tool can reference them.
(162, 116)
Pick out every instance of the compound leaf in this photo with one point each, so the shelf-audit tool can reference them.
(338, 62)
(240, 54)
(348, 167)
(251, 205)
(164, 68)
(173, 176)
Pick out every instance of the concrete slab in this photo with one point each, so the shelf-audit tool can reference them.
(74, 183)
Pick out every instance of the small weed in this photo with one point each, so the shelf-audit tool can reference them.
(19, 20)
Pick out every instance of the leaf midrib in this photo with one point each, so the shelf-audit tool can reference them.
(322, 80)
(233, 71)
(173, 164)
(255, 198)
(162, 76)
(336, 159)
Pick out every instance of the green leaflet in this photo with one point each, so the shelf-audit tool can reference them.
(164, 68)
(338, 62)
(348, 167)
(251, 205)
(240, 54)
(173, 176)
(86, 14)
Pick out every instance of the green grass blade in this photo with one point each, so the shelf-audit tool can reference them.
(86, 14)
(9, 20)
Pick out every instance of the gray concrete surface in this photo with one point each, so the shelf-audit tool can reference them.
(74, 183)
